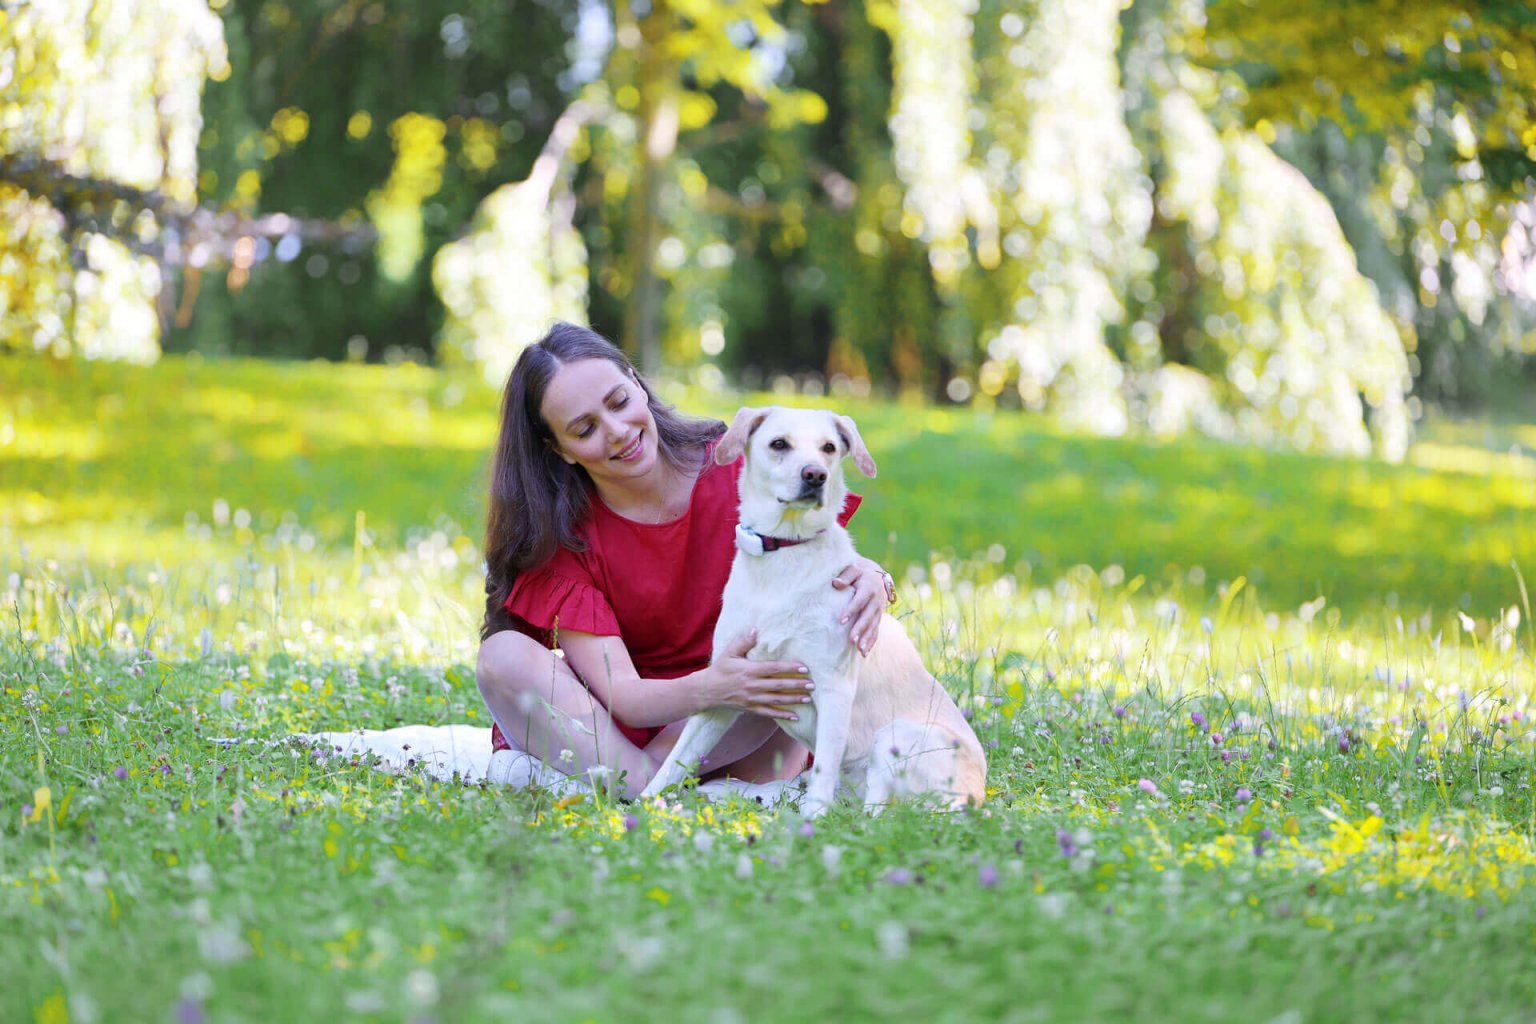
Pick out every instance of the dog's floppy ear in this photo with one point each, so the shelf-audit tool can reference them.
(734, 441)
(855, 445)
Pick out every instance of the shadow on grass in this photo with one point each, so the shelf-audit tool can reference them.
(92, 445)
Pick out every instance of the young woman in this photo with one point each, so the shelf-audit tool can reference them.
(610, 537)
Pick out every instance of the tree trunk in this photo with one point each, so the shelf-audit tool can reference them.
(657, 116)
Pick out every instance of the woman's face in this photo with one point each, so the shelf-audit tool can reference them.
(599, 419)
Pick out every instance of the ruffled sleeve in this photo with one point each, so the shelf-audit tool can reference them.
(850, 506)
(548, 600)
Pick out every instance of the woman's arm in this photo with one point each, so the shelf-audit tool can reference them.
(769, 688)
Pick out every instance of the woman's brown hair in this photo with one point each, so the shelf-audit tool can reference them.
(538, 500)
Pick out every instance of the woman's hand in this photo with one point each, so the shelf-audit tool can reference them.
(769, 688)
(866, 604)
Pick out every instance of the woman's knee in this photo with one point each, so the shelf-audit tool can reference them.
(508, 662)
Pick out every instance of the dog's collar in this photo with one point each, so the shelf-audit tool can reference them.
(753, 543)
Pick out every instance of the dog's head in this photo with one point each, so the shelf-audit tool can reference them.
(794, 468)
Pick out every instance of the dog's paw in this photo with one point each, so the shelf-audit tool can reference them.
(814, 808)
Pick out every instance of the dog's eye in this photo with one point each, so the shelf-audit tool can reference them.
(778, 444)
(829, 448)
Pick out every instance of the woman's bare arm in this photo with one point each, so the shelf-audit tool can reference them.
(771, 688)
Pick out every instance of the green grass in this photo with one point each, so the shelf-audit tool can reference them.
(1105, 609)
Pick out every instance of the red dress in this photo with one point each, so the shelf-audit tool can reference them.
(657, 586)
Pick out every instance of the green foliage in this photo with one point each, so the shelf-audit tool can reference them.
(1070, 207)
(411, 115)
(95, 92)
(1418, 121)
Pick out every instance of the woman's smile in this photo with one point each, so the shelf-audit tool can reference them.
(633, 450)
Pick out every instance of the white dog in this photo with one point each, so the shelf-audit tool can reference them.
(883, 722)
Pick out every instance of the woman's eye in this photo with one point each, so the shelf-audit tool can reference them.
(621, 403)
(585, 431)
(778, 444)
(829, 448)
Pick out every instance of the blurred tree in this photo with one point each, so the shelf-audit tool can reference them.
(1418, 121)
(672, 68)
(98, 124)
(388, 122)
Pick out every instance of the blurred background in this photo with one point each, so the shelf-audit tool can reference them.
(1294, 223)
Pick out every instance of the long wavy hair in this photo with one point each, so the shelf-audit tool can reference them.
(538, 500)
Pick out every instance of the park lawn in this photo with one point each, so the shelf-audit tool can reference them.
(1212, 795)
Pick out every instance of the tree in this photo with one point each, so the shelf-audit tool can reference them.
(99, 115)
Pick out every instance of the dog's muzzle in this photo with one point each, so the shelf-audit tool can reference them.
(812, 480)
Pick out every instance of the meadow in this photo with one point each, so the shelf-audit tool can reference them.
(1259, 727)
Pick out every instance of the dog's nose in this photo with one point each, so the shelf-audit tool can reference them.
(813, 476)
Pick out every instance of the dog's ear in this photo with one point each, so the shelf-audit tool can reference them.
(734, 441)
(849, 433)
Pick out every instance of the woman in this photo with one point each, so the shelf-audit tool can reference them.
(610, 536)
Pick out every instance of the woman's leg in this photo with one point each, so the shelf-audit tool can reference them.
(545, 710)
(754, 750)
(780, 756)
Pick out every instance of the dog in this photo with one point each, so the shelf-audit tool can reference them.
(881, 722)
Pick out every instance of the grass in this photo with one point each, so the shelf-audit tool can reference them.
(1213, 796)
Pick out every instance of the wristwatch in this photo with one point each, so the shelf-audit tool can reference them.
(890, 587)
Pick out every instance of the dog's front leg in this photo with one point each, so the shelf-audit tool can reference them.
(699, 737)
(834, 714)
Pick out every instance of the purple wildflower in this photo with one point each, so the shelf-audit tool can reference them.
(1199, 720)
(26, 810)
(1215, 739)
(898, 876)
(1147, 786)
(61, 729)
(807, 829)
(189, 1011)
(1343, 744)
(986, 876)
(120, 772)
(1120, 711)
(1244, 794)
(631, 823)
(1266, 834)
(1065, 842)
